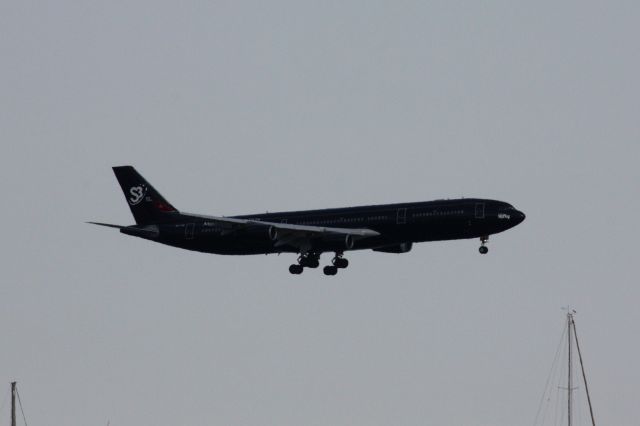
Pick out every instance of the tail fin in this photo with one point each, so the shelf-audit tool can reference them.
(146, 204)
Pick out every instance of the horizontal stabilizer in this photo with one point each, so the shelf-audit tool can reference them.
(107, 224)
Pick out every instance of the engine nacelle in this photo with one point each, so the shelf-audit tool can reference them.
(348, 242)
(273, 233)
(338, 242)
(396, 248)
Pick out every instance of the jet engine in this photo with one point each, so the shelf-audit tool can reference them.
(273, 233)
(348, 242)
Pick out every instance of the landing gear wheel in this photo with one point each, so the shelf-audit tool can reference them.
(296, 269)
(340, 262)
(483, 249)
(309, 260)
(330, 270)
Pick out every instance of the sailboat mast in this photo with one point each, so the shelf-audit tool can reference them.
(584, 376)
(569, 378)
(13, 403)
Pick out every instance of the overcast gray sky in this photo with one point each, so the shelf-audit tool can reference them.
(232, 107)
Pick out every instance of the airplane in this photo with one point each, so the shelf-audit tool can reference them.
(388, 228)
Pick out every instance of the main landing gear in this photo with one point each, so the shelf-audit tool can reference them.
(338, 262)
(307, 260)
(330, 270)
(296, 269)
(312, 260)
(483, 248)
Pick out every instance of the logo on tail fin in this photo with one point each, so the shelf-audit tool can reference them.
(137, 193)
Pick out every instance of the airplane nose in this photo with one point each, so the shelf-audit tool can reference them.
(520, 216)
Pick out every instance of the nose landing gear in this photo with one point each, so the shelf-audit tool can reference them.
(483, 248)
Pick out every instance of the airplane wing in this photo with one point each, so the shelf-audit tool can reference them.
(298, 236)
(302, 236)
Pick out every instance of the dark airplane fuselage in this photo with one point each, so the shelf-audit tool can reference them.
(389, 228)
(398, 225)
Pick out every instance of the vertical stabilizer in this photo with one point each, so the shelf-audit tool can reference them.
(146, 204)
